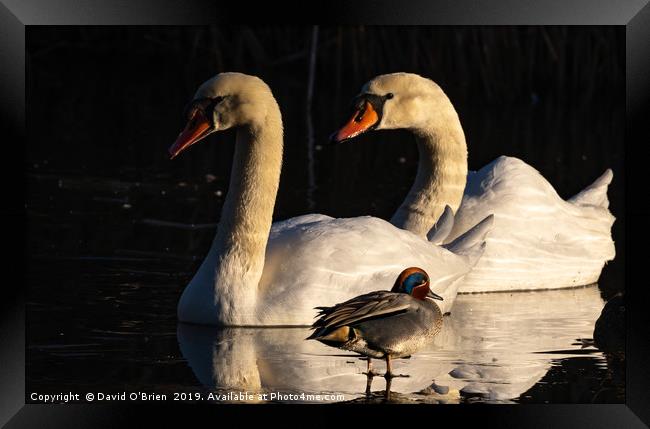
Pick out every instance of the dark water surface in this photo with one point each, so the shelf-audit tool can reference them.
(104, 320)
(115, 230)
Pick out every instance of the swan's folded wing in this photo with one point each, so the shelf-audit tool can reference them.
(363, 307)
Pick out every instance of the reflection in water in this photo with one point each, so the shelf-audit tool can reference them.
(609, 337)
(493, 347)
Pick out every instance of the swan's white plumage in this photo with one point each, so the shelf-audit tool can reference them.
(315, 260)
(539, 240)
(342, 258)
(443, 227)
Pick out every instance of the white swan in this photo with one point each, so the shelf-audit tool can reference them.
(539, 241)
(261, 274)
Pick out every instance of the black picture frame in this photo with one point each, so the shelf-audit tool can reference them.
(15, 15)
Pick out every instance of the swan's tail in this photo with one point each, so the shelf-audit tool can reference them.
(596, 193)
(472, 243)
(443, 227)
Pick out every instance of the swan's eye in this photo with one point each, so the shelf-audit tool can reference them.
(389, 96)
(213, 103)
(361, 112)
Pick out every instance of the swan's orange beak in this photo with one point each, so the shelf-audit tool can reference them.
(364, 119)
(197, 127)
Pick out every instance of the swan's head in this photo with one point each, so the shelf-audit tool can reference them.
(415, 282)
(394, 101)
(227, 100)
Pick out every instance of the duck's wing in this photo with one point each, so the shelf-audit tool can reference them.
(363, 307)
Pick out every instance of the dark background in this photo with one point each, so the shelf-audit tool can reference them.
(105, 104)
(106, 207)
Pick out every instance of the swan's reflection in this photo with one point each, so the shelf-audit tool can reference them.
(495, 346)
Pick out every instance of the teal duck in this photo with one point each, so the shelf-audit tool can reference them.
(383, 324)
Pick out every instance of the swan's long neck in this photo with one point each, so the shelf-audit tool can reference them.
(441, 175)
(246, 220)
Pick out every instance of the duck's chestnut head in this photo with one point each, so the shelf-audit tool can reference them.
(415, 282)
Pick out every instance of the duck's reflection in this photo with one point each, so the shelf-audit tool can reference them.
(495, 346)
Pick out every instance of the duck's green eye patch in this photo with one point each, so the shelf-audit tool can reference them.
(412, 281)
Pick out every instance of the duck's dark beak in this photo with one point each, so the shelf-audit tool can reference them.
(197, 127)
(434, 295)
(364, 119)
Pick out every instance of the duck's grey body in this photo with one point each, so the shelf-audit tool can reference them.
(379, 324)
